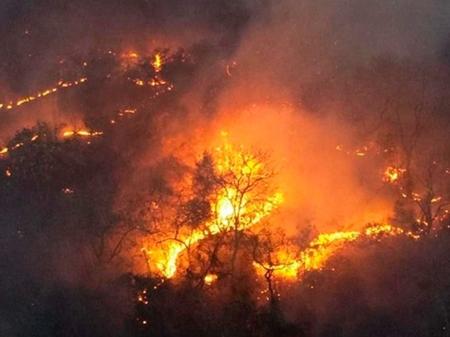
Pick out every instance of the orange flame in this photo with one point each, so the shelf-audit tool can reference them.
(230, 209)
(210, 279)
(43, 93)
(81, 133)
(315, 256)
(157, 62)
(393, 174)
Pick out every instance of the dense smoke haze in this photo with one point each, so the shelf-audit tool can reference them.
(224, 168)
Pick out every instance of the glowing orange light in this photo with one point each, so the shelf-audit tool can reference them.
(46, 92)
(81, 133)
(392, 174)
(157, 62)
(230, 209)
(210, 279)
(315, 256)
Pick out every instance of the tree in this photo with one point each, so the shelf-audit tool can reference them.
(229, 191)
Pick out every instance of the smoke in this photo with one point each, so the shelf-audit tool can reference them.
(307, 76)
(305, 41)
(310, 75)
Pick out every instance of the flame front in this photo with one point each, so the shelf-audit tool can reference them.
(324, 246)
(41, 94)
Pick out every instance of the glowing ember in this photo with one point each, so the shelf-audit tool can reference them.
(139, 82)
(81, 133)
(67, 190)
(157, 62)
(210, 279)
(130, 55)
(436, 199)
(392, 174)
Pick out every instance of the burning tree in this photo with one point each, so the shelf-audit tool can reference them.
(217, 214)
(228, 192)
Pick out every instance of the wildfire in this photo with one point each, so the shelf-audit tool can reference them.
(231, 209)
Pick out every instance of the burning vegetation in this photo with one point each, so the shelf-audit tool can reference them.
(229, 194)
(208, 176)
